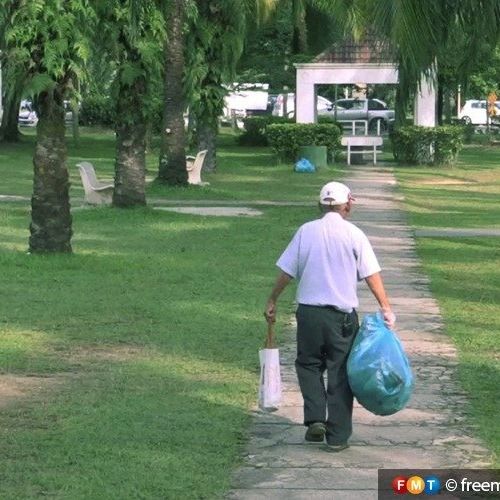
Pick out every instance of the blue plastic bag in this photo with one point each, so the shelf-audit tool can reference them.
(304, 165)
(379, 372)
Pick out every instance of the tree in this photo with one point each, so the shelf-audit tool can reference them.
(172, 161)
(267, 52)
(216, 31)
(486, 76)
(421, 31)
(134, 31)
(9, 130)
(14, 75)
(272, 45)
(49, 39)
(213, 49)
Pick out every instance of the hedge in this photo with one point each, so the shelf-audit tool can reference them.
(286, 139)
(417, 145)
(255, 129)
(97, 110)
(448, 142)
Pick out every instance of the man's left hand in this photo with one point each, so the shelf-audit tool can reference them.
(389, 318)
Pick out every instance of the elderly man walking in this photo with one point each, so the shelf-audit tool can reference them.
(328, 256)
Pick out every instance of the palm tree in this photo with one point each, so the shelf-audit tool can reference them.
(9, 130)
(214, 46)
(49, 39)
(172, 162)
(134, 30)
(14, 75)
(420, 32)
(51, 225)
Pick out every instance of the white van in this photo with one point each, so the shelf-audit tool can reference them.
(474, 112)
(245, 98)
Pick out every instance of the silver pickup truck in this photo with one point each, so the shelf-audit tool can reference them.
(370, 110)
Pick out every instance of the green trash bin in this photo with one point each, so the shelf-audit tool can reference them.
(317, 155)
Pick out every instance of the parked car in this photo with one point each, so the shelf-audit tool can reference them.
(372, 110)
(68, 113)
(27, 115)
(322, 105)
(474, 111)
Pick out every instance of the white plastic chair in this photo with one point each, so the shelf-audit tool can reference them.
(96, 192)
(193, 167)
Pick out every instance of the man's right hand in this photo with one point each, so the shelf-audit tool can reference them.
(270, 312)
(281, 282)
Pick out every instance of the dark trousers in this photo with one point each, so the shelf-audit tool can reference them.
(324, 339)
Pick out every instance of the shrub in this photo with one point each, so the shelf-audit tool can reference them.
(412, 144)
(448, 141)
(468, 132)
(417, 145)
(326, 119)
(286, 139)
(255, 129)
(155, 115)
(97, 110)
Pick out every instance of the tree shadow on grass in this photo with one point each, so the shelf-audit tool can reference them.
(130, 429)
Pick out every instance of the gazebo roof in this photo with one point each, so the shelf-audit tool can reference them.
(369, 49)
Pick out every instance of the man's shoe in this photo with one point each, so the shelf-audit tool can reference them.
(316, 432)
(335, 448)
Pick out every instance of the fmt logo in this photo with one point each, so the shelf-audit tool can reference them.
(415, 485)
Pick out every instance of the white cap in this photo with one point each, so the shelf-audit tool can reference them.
(335, 193)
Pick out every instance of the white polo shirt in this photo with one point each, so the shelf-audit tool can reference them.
(329, 256)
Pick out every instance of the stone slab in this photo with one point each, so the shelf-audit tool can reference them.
(355, 457)
(214, 211)
(320, 478)
(269, 434)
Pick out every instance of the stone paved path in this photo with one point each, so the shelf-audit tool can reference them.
(430, 433)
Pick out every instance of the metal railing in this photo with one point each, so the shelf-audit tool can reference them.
(354, 127)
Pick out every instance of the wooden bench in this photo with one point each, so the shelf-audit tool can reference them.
(369, 144)
(193, 167)
(96, 193)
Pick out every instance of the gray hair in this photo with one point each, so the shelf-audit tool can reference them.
(331, 208)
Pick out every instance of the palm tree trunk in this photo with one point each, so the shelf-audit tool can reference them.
(207, 134)
(440, 99)
(172, 164)
(130, 162)
(299, 39)
(9, 130)
(130, 165)
(50, 207)
(400, 108)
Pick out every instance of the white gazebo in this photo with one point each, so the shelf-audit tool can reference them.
(367, 61)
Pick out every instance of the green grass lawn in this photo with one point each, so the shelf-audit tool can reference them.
(152, 328)
(467, 195)
(465, 272)
(141, 348)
